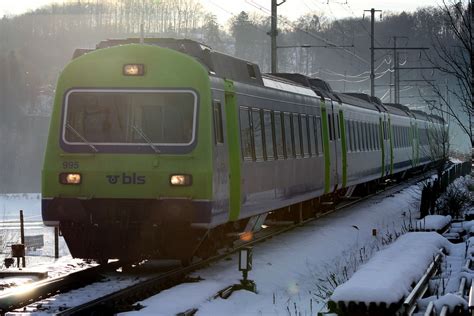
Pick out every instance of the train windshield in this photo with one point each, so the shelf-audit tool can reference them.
(106, 117)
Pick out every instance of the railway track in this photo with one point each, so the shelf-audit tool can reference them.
(26, 294)
(125, 299)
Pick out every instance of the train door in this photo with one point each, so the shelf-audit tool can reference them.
(232, 148)
(386, 144)
(337, 107)
(334, 135)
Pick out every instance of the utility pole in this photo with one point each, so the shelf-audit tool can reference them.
(372, 55)
(273, 34)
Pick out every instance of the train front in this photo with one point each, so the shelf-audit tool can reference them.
(128, 162)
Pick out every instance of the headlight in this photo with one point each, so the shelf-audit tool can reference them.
(181, 179)
(70, 178)
(134, 70)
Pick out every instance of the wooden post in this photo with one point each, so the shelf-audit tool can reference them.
(56, 242)
(22, 236)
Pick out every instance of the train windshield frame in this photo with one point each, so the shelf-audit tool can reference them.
(125, 120)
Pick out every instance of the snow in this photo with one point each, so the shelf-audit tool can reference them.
(293, 270)
(433, 222)
(388, 276)
(295, 273)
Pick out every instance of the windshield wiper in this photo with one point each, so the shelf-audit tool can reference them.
(142, 134)
(81, 137)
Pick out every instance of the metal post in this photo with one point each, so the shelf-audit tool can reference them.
(56, 242)
(372, 55)
(372, 50)
(273, 34)
(395, 69)
(22, 236)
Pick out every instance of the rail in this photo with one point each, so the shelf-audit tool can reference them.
(26, 294)
(409, 305)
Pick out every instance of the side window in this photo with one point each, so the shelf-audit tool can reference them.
(246, 134)
(330, 126)
(257, 133)
(297, 133)
(359, 136)
(279, 140)
(218, 133)
(374, 128)
(267, 119)
(338, 128)
(288, 136)
(352, 135)
(304, 135)
(319, 134)
(312, 142)
(348, 137)
(369, 136)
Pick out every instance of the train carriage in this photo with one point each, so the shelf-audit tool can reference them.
(158, 149)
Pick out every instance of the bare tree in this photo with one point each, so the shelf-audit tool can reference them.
(453, 47)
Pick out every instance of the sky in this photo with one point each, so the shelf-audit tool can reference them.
(224, 9)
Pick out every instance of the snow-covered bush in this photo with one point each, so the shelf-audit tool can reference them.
(456, 198)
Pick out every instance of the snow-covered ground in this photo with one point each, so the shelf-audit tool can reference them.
(295, 273)
(30, 203)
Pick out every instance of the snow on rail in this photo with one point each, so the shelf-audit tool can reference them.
(388, 277)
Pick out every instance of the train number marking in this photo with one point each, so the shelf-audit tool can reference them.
(71, 165)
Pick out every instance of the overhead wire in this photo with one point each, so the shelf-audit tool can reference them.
(309, 33)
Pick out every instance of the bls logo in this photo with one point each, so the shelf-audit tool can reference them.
(127, 179)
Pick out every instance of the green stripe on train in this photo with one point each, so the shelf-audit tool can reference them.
(344, 148)
(233, 144)
(327, 157)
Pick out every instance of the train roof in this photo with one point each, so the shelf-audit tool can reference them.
(321, 87)
(420, 115)
(219, 64)
(352, 100)
(436, 118)
(395, 108)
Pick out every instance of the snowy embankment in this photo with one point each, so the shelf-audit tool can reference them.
(389, 275)
(297, 271)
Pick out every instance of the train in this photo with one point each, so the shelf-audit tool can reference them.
(165, 148)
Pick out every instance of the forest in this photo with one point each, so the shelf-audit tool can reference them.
(35, 46)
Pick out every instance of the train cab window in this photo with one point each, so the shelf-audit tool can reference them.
(304, 136)
(267, 123)
(279, 139)
(218, 132)
(288, 136)
(246, 134)
(297, 134)
(257, 133)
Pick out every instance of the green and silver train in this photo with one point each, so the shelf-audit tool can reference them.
(166, 148)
